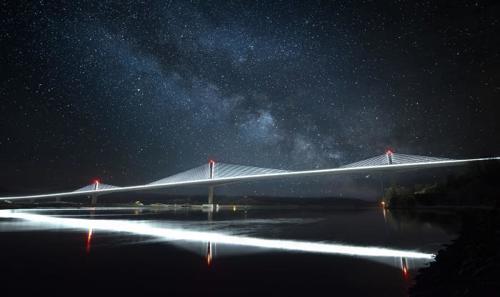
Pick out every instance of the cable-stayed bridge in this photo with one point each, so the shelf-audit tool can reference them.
(215, 174)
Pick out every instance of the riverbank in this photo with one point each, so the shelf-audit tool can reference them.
(470, 265)
(198, 202)
(476, 186)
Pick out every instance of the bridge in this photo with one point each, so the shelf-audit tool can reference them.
(216, 174)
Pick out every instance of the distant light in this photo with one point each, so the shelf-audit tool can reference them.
(389, 152)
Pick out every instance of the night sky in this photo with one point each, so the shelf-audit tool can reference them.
(133, 91)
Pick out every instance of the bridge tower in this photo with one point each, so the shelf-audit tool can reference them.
(93, 197)
(211, 167)
(389, 154)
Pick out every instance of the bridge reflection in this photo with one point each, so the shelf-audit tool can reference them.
(177, 235)
(89, 240)
(405, 268)
(210, 252)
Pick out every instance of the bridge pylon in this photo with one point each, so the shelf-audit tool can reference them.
(389, 154)
(211, 205)
(93, 197)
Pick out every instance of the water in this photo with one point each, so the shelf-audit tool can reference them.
(147, 252)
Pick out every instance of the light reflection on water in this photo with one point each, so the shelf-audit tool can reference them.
(89, 240)
(217, 238)
(331, 248)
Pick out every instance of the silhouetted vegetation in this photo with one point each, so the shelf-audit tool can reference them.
(470, 266)
(476, 186)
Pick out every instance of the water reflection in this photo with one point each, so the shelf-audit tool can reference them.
(333, 248)
(210, 252)
(404, 268)
(89, 241)
(186, 236)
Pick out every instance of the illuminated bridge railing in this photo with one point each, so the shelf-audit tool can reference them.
(214, 174)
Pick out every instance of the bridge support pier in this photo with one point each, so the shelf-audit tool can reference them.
(210, 206)
(93, 200)
(93, 197)
(211, 195)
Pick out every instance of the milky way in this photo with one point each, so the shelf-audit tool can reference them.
(135, 91)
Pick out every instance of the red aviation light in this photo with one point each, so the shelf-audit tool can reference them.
(389, 152)
(96, 183)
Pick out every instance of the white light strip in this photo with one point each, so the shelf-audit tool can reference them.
(267, 176)
(195, 236)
